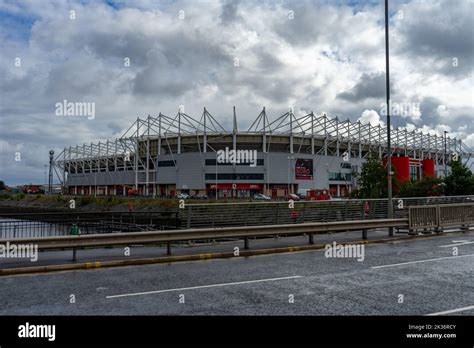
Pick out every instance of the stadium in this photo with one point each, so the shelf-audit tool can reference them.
(164, 156)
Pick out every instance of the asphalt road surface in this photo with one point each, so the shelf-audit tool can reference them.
(414, 277)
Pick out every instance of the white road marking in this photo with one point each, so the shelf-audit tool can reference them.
(204, 286)
(459, 242)
(419, 261)
(453, 311)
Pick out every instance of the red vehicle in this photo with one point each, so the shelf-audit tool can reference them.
(32, 189)
(319, 195)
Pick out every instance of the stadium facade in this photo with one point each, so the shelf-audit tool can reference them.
(165, 156)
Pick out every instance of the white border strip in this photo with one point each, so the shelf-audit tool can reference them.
(452, 311)
(412, 262)
(204, 286)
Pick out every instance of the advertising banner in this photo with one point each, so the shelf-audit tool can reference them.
(304, 169)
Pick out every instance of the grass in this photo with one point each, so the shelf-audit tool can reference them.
(109, 201)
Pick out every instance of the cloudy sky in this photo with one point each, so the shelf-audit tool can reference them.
(321, 56)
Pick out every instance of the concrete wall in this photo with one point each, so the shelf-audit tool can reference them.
(191, 169)
(102, 178)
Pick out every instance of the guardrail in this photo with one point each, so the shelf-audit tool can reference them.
(100, 240)
(26, 225)
(278, 212)
(438, 216)
(210, 215)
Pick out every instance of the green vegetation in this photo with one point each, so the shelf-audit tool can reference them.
(372, 180)
(460, 181)
(426, 187)
(2, 185)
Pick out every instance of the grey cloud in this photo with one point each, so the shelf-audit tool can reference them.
(369, 86)
(229, 11)
(438, 34)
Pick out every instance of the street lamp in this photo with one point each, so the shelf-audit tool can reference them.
(45, 180)
(445, 155)
(387, 88)
(268, 174)
(289, 166)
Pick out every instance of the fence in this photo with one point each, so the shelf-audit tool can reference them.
(209, 215)
(73, 242)
(438, 216)
(273, 213)
(14, 226)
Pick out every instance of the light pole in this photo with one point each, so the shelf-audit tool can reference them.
(268, 175)
(387, 87)
(45, 179)
(50, 179)
(445, 154)
(289, 166)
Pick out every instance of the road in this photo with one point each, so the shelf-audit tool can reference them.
(411, 277)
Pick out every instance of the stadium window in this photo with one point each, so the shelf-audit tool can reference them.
(234, 176)
(212, 162)
(166, 163)
(414, 173)
(346, 165)
(340, 177)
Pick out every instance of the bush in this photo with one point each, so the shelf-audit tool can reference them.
(83, 201)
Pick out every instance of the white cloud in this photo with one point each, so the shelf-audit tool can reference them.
(372, 117)
(442, 110)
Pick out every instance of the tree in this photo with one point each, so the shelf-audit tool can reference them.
(460, 181)
(2, 185)
(372, 180)
(426, 187)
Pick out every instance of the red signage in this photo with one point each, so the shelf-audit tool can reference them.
(304, 169)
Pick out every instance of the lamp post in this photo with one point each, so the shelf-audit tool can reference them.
(289, 166)
(50, 179)
(45, 179)
(268, 175)
(387, 88)
(445, 154)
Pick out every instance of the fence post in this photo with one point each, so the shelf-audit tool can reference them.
(188, 223)
(311, 238)
(303, 213)
(438, 228)
(213, 213)
(390, 229)
(276, 213)
(246, 242)
(168, 248)
(364, 233)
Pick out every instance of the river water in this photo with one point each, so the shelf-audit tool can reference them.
(17, 228)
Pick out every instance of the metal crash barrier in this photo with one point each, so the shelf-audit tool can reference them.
(437, 217)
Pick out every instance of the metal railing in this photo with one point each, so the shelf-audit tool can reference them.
(209, 215)
(455, 215)
(68, 242)
(13, 226)
(442, 215)
(273, 213)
